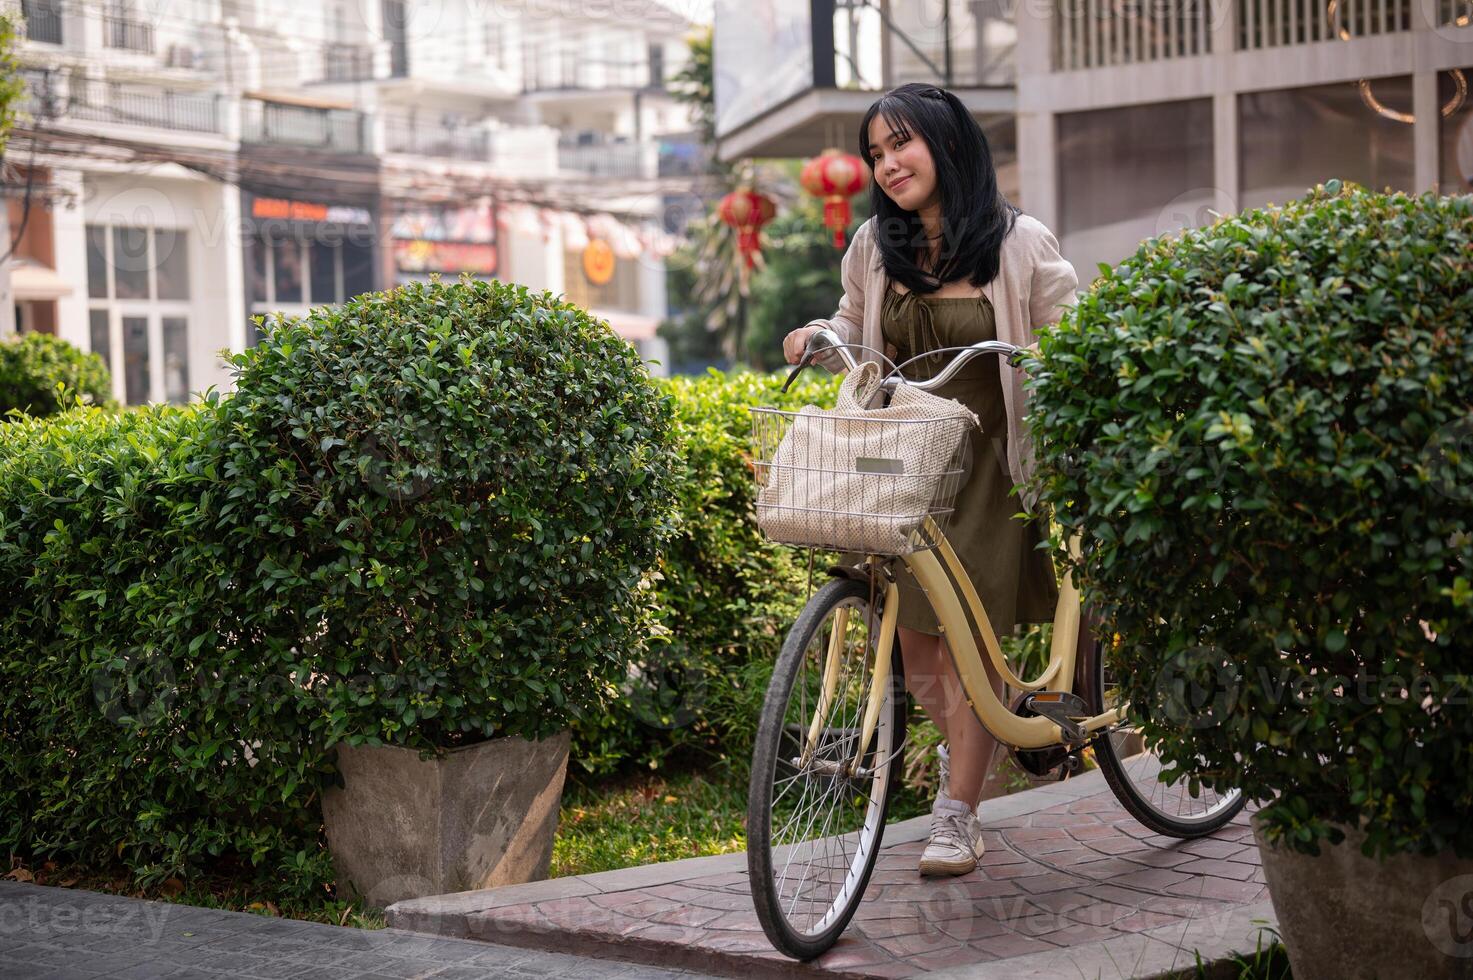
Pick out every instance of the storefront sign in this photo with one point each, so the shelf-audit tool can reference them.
(282, 209)
(598, 261)
(419, 255)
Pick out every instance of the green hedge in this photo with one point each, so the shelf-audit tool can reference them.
(1264, 431)
(723, 598)
(424, 518)
(31, 368)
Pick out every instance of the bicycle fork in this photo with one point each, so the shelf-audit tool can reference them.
(874, 703)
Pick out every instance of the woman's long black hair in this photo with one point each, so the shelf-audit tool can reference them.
(975, 216)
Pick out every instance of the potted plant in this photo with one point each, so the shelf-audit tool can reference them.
(467, 482)
(1264, 431)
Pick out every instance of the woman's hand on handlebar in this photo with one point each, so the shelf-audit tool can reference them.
(795, 344)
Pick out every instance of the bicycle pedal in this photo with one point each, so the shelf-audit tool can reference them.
(1060, 708)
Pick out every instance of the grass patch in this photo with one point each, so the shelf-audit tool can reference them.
(221, 892)
(648, 818)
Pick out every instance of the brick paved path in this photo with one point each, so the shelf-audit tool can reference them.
(1068, 880)
(63, 934)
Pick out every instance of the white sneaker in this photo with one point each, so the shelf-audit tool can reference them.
(956, 845)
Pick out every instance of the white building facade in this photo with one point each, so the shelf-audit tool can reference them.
(185, 165)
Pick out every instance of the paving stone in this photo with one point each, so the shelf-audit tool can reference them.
(1217, 868)
(950, 958)
(1210, 848)
(1154, 879)
(1017, 870)
(1239, 892)
(907, 946)
(1141, 921)
(1116, 845)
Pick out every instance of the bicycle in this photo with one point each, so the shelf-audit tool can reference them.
(834, 718)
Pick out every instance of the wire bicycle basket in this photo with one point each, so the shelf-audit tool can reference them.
(849, 482)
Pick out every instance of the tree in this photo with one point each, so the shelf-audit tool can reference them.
(12, 88)
(712, 320)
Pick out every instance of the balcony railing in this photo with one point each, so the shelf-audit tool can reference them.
(347, 63)
(52, 96)
(542, 73)
(403, 135)
(1281, 23)
(609, 159)
(43, 20)
(337, 130)
(1097, 33)
(127, 34)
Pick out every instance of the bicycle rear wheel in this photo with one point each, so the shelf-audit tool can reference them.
(1132, 769)
(814, 823)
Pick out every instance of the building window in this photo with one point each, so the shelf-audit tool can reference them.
(139, 284)
(1125, 175)
(102, 344)
(286, 264)
(395, 14)
(288, 271)
(130, 263)
(176, 359)
(1291, 139)
(1455, 173)
(135, 359)
(97, 262)
(171, 255)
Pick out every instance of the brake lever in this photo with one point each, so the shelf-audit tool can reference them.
(793, 375)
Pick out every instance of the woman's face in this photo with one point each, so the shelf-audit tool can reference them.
(903, 166)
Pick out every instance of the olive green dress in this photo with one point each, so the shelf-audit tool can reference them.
(1014, 579)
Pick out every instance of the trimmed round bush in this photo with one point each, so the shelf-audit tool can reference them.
(1263, 431)
(32, 366)
(454, 493)
(426, 518)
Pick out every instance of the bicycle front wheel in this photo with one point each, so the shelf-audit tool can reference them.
(814, 818)
(1133, 770)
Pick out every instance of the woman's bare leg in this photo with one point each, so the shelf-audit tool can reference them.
(931, 678)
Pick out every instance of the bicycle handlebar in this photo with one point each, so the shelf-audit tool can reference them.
(825, 340)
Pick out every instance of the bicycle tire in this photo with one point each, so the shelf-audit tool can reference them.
(773, 738)
(1115, 766)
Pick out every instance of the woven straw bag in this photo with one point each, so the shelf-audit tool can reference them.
(864, 479)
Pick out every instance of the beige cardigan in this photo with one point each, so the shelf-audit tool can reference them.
(1033, 286)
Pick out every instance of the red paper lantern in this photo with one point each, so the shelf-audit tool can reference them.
(834, 176)
(747, 211)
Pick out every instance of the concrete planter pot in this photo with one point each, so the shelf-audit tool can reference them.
(1344, 916)
(478, 817)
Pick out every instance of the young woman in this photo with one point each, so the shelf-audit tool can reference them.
(946, 261)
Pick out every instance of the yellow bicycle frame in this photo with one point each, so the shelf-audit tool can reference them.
(931, 573)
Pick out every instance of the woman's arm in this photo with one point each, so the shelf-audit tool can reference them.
(1053, 287)
(848, 320)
